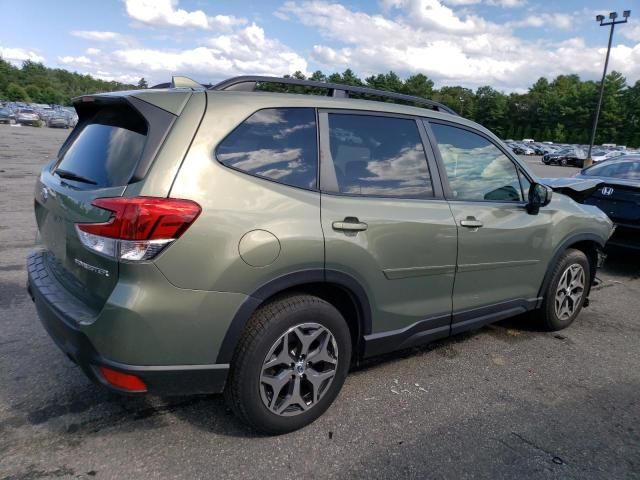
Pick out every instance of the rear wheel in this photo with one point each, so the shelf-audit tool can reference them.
(289, 365)
(563, 162)
(567, 290)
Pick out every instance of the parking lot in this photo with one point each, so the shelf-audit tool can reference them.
(504, 401)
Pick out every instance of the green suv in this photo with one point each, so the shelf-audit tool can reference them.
(260, 243)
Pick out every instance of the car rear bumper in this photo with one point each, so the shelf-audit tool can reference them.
(59, 315)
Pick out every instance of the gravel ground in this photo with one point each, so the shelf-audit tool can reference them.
(505, 401)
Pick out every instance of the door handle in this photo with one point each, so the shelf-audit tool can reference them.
(471, 222)
(350, 224)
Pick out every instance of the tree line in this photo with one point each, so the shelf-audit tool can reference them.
(34, 82)
(559, 110)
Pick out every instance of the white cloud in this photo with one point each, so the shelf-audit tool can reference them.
(493, 3)
(632, 32)
(444, 39)
(247, 51)
(452, 48)
(69, 60)
(557, 20)
(102, 36)
(164, 13)
(507, 3)
(19, 55)
(457, 3)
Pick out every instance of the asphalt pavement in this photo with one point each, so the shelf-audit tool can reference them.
(506, 401)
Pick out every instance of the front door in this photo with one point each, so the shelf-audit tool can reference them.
(386, 224)
(501, 247)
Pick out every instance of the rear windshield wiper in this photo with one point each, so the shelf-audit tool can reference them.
(72, 176)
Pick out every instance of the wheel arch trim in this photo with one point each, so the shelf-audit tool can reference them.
(562, 247)
(286, 282)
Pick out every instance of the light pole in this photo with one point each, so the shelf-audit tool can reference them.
(613, 22)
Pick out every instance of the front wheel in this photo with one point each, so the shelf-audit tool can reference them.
(289, 365)
(567, 290)
(563, 162)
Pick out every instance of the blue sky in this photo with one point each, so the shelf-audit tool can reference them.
(507, 44)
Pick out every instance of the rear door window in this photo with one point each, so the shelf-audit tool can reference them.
(278, 144)
(377, 156)
(107, 149)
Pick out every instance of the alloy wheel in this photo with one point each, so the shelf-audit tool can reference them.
(298, 369)
(569, 291)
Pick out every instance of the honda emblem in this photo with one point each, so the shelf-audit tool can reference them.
(606, 191)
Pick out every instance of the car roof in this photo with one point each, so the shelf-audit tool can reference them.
(283, 100)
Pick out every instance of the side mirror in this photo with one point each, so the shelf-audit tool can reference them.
(539, 196)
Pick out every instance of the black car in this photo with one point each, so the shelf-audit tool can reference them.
(7, 116)
(618, 196)
(569, 156)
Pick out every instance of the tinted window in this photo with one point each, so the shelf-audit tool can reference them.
(379, 156)
(476, 168)
(108, 147)
(278, 143)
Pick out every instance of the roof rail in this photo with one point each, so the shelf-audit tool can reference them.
(248, 83)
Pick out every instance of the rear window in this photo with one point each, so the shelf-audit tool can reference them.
(279, 144)
(107, 148)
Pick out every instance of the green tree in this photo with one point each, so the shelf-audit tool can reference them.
(419, 85)
(318, 76)
(142, 83)
(461, 100)
(559, 134)
(16, 93)
(490, 109)
(51, 96)
(34, 93)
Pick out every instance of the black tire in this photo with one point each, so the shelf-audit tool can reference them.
(548, 314)
(563, 162)
(266, 326)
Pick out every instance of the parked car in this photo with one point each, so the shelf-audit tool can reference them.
(27, 116)
(538, 149)
(58, 120)
(574, 156)
(7, 116)
(618, 197)
(528, 150)
(190, 245)
(600, 156)
(521, 149)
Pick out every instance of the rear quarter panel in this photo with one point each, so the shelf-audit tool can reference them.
(207, 256)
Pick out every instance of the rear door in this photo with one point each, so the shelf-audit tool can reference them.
(99, 159)
(501, 248)
(386, 224)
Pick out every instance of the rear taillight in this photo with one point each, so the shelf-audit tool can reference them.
(123, 381)
(139, 227)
